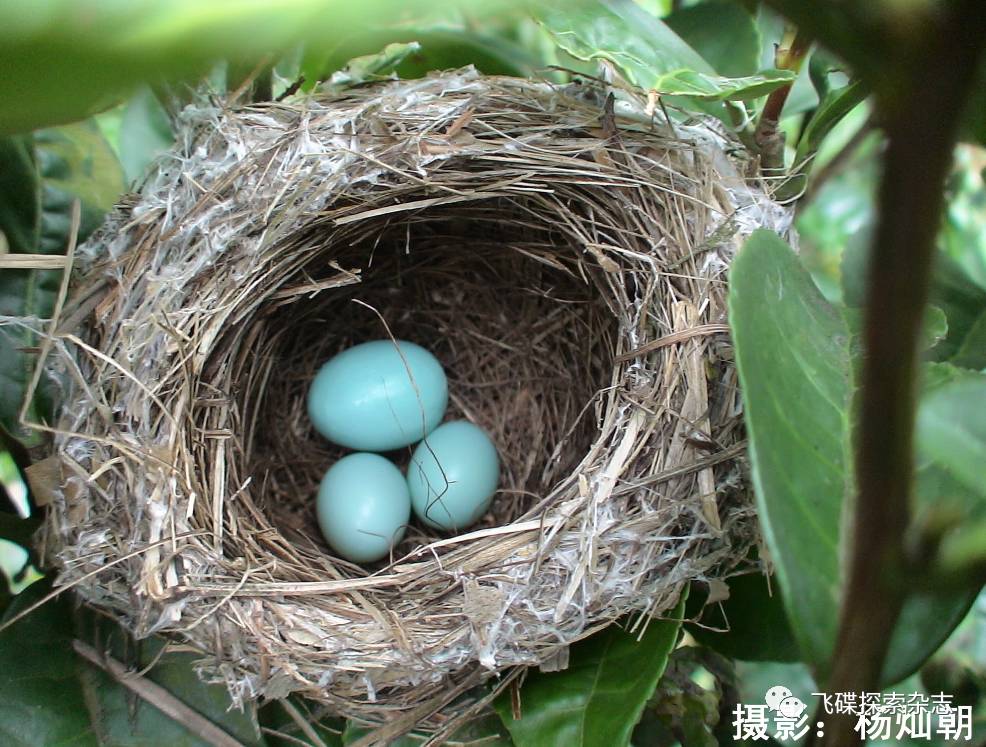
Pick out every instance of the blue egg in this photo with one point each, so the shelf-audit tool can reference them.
(452, 476)
(363, 507)
(365, 398)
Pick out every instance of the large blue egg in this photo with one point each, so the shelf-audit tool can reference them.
(363, 507)
(374, 397)
(453, 475)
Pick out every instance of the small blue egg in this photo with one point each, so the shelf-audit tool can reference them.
(363, 507)
(364, 399)
(452, 476)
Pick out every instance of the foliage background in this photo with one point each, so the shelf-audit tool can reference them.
(91, 90)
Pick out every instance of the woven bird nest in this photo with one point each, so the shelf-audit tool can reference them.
(560, 250)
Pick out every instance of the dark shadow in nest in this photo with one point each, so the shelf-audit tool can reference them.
(523, 333)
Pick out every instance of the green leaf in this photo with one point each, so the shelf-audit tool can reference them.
(854, 270)
(835, 107)
(14, 487)
(446, 48)
(715, 88)
(831, 110)
(50, 697)
(962, 300)
(650, 54)
(926, 620)
(430, 46)
(723, 33)
(64, 60)
(20, 194)
(753, 618)
(373, 66)
(934, 328)
(16, 568)
(599, 698)
(121, 719)
(628, 36)
(951, 431)
(20, 221)
(75, 162)
(72, 162)
(770, 26)
(972, 351)
(145, 133)
(792, 353)
(688, 702)
(18, 530)
(41, 703)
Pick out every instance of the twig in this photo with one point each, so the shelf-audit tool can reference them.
(769, 139)
(941, 64)
(158, 697)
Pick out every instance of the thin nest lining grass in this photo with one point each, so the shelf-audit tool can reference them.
(565, 264)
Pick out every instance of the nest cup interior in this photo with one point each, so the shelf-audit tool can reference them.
(526, 339)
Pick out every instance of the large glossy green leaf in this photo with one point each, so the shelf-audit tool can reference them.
(715, 88)
(74, 162)
(41, 702)
(649, 53)
(20, 221)
(832, 109)
(792, 352)
(599, 698)
(639, 43)
(723, 32)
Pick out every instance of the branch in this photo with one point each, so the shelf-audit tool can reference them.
(941, 64)
(790, 55)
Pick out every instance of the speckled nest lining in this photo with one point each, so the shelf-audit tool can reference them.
(566, 262)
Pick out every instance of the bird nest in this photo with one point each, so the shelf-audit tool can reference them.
(562, 251)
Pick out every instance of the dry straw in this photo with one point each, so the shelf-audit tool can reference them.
(562, 251)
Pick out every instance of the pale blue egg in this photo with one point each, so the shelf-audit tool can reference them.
(374, 397)
(452, 476)
(363, 507)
